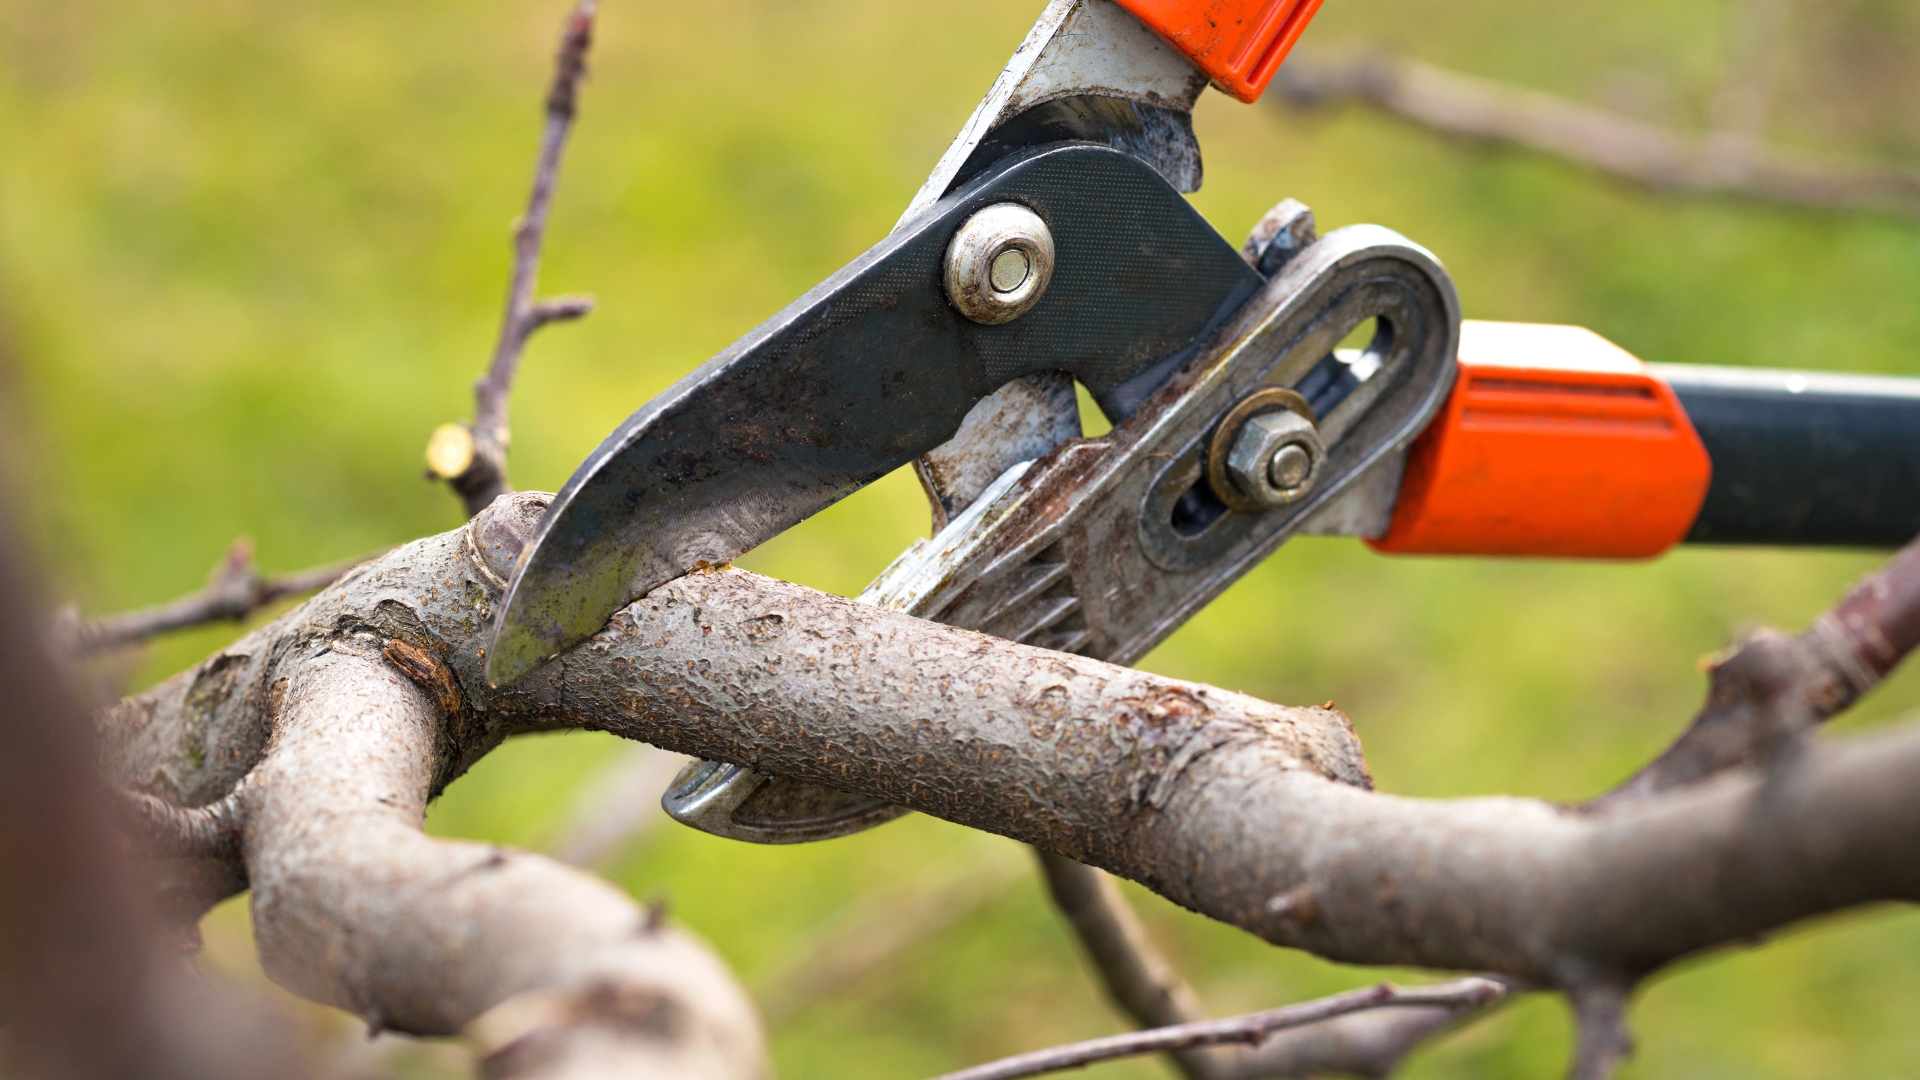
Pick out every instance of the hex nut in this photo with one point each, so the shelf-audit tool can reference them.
(999, 263)
(1275, 458)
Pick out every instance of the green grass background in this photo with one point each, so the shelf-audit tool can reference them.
(251, 253)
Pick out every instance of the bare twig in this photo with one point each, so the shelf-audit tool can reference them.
(1600, 1020)
(235, 590)
(473, 460)
(1135, 975)
(1730, 162)
(1152, 994)
(197, 832)
(1250, 1029)
(1771, 688)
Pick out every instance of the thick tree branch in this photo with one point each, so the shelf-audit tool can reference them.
(552, 971)
(473, 460)
(1250, 1029)
(1147, 990)
(1734, 162)
(1255, 814)
(235, 590)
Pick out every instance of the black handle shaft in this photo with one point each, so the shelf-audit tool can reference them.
(1804, 458)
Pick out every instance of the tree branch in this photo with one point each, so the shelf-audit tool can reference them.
(234, 591)
(473, 459)
(1152, 994)
(1732, 162)
(548, 969)
(1255, 814)
(1768, 691)
(1601, 1042)
(1250, 1029)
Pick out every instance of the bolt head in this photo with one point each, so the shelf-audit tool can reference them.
(1275, 458)
(998, 263)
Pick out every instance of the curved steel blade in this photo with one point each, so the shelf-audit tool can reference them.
(866, 372)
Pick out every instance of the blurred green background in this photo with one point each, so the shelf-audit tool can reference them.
(252, 252)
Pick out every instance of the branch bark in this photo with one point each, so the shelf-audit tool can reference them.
(1734, 162)
(473, 459)
(1256, 814)
(354, 907)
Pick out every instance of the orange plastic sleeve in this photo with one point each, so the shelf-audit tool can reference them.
(1238, 43)
(1554, 441)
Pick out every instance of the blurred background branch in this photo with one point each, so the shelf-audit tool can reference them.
(1730, 160)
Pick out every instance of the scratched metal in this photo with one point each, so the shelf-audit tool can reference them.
(869, 370)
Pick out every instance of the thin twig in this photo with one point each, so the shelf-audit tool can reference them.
(185, 832)
(1138, 979)
(473, 460)
(235, 590)
(1250, 1029)
(1733, 162)
(1600, 1020)
(1147, 989)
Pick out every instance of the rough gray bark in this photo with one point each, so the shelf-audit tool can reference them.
(1256, 814)
(353, 906)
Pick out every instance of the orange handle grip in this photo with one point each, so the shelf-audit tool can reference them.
(1238, 43)
(1554, 441)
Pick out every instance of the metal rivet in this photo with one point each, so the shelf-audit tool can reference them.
(999, 263)
(1010, 269)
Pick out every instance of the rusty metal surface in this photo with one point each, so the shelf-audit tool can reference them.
(1107, 545)
(868, 371)
(1018, 422)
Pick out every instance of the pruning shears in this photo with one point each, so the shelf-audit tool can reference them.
(1052, 244)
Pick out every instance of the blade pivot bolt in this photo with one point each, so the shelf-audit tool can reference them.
(998, 263)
